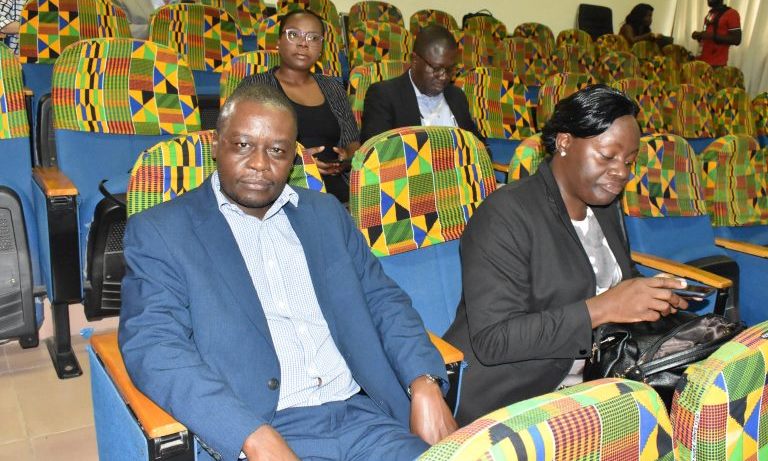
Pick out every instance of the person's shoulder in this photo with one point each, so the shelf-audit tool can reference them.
(731, 13)
(390, 83)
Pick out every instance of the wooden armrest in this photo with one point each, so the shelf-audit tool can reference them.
(155, 421)
(681, 270)
(53, 181)
(28, 91)
(450, 354)
(743, 247)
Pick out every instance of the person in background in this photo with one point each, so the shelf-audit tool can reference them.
(320, 101)
(139, 13)
(722, 29)
(637, 25)
(545, 260)
(10, 17)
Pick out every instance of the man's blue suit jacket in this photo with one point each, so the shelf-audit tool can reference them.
(194, 336)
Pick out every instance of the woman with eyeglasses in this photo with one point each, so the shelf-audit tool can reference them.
(325, 117)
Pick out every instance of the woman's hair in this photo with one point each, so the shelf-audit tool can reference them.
(636, 17)
(284, 19)
(587, 113)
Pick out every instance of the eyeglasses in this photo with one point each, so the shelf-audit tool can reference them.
(295, 36)
(438, 71)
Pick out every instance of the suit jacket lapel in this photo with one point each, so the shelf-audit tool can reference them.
(409, 107)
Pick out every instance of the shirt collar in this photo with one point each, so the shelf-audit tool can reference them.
(419, 94)
(288, 195)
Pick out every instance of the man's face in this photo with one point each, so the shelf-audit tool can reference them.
(433, 71)
(254, 152)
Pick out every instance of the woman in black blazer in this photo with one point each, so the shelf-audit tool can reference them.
(545, 260)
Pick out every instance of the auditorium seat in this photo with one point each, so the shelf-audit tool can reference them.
(557, 87)
(423, 18)
(645, 50)
(485, 25)
(376, 11)
(732, 112)
(610, 42)
(700, 74)
(526, 159)
(480, 50)
(576, 37)
(371, 41)
(616, 65)
(692, 115)
(524, 58)
(652, 101)
(363, 76)
(243, 65)
(246, 13)
(662, 71)
(572, 58)
(538, 32)
(760, 114)
(728, 77)
(677, 53)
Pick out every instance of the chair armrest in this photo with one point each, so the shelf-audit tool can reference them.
(743, 247)
(155, 421)
(53, 182)
(28, 91)
(681, 270)
(449, 353)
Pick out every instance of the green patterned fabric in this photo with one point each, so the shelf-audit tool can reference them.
(698, 73)
(423, 18)
(573, 58)
(526, 159)
(243, 65)
(480, 50)
(576, 37)
(557, 87)
(664, 180)
(362, 77)
(734, 181)
(537, 32)
(732, 112)
(760, 113)
(526, 59)
(372, 41)
(660, 70)
(616, 65)
(486, 25)
(645, 50)
(693, 116)
(498, 103)
(677, 53)
(171, 168)
(652, 101)
(49, 26)
(719, 410)
(123, 86)
(602, 420)
(417, 186)
(376, 11)
(610, 42)
(13, 112)
(205, 36)
(245, 12)
(728, 77)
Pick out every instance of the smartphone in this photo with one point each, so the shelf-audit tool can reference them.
(328, 156)
(694, 291)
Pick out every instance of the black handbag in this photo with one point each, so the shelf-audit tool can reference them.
(657, 353)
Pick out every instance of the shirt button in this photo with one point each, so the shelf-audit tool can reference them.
(273, 384)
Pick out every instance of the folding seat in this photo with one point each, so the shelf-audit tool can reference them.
(663, 71)
(112, 98)
(501, 110)
(645, 50)
(610, 42)
(649, 98)
(728, 77)
(480, 50)
(538, 32)
(47, 27)
(573, 58)
(732, 113)
(526, 159)
(246, 13)
(20, 311)
(698, 73)
(677, 53)
(524, 58)
(718, 410)
(362, 77)
(692, 117)
(606, 419)
(423, 18)
(555, 88)
(575, 37)
(485, 25)
(377, 11)
(760, 114)
(372, 41)
(616, 65)
(243, 65)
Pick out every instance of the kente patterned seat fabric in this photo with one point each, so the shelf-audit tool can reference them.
(645, 50)
(417, 186)
(49, 26)
(526, 59)
(478, 50)
(760, 113)
(719, 406)
(171, 168)
(486, 25)
(362, 77)
(652, 101)
(323, 8)
(575, 37)
(137, 87)
(268, 35)
(616, 65)
(664, 180)
(732, 112)
(698, 73)
(573, 58)
(557, 87)
(372, 41)
(677, 53)
(661, 70)
(610, 42)
(207, 37)
(13, 112)
(526, 159)
(538, 32)
(245, 12)
(376, 11)
(734, 181)
(243, 65)
(607, 419)
(693, 117)
(423, 18)
(498, 103)
(728, 77)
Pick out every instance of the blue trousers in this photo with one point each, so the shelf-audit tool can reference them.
(355, 429)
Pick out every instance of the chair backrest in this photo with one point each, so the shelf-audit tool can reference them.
(173, 167)
(245, 12)
(698, 73)
(13, 112)
(557, 87)
(486, 25)
(616, 65)
(526, 159)
(423, 18)
(205, 36)
(538, 32)
(677, 53)
(760, 114)
(645, 49)
(377, 11)
(526, 59)
(498, 103)
(573, 58)
(243, 65)
(49, 26)
(479, 50)
(652, 101)
(363, 76)
(372, 41)
(728, 77)
(610, 42)
(661, 70)
(718, 410)
(602, 419)
(734, 181)
(693, 116)
(575, 37)
(732, 112)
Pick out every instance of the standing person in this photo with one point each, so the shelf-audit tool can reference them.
(545, 260)
(325, 116)
(637, 24)
(722, 29)
(10, 17)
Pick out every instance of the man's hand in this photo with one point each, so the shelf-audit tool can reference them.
(265, 444)
(697, 36)
(431, 419)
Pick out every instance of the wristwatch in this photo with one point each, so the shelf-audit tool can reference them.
(431, 378)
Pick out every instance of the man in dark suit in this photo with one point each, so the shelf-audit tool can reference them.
(257, 316)
(424, 95)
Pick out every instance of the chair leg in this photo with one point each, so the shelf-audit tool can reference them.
(60, 346)
(29, 341)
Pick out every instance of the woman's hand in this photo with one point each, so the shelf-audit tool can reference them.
(637, 300)
(326, 168)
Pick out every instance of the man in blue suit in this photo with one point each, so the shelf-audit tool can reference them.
(256, 315)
